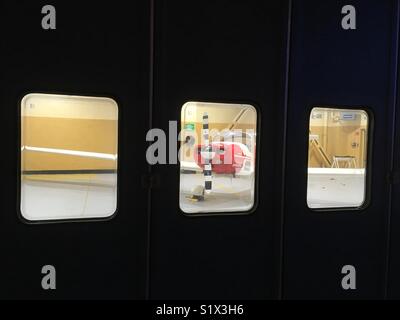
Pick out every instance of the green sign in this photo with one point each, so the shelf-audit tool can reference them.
(190, 126)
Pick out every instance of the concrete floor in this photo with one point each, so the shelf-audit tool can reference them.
(336, 188)
(73, 197)
(327, 188)
(228, 195)
(95, 196)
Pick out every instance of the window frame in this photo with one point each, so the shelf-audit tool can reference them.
(77, 93)
(369, 166)
(256, 165)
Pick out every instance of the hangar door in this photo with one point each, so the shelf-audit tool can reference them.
(393, 288)
(74, 204)
(216, 214)
(339, 148)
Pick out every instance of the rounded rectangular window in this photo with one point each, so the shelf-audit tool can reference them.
(69, 152)
(337, 159)
(217, 158)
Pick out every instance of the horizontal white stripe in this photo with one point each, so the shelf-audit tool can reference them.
(208, 167)
(83, 154)
(208, 178)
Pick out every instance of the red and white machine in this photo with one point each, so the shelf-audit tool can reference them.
(226, 157)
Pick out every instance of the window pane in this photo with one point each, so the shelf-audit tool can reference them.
(217, 156)
(68, 157)
(337, 160)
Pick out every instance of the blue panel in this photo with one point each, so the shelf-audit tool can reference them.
(333, 67)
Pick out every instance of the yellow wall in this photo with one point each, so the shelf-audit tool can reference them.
(70, 123)
(221, 117)
(339, 138)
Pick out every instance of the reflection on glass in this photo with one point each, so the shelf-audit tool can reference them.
(69, 150)
(217, 158)
(337, 159)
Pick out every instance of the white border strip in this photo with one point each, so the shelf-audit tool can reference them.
(104, 156)
(330, 171)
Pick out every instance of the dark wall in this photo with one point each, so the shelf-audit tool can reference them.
(102, 50)
(220, 51)
(216, 51)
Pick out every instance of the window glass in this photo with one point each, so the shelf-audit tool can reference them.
(69, 150)
(337, 159)
(217, 158)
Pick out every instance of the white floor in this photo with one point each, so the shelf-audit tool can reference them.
(96, 196)
(327, 188)
(336, 188)
(58, 200)
(228, 194)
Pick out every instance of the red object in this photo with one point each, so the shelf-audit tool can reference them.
(228, 158)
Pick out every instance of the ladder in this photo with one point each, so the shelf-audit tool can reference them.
(321, 151)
